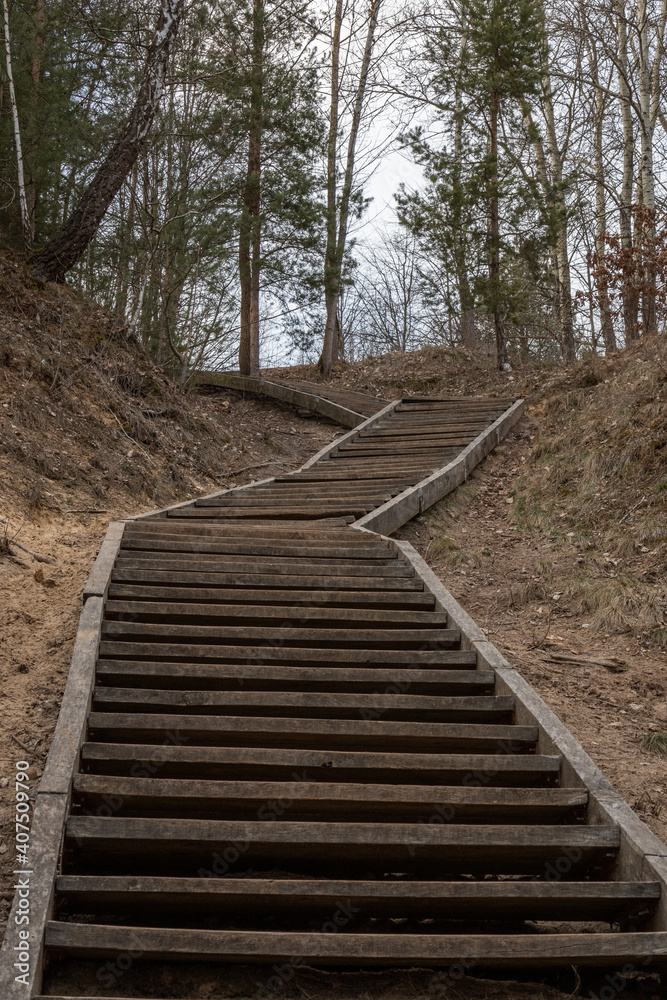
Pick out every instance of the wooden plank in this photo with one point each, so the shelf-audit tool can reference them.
(100, 941)
(173, 758)
(337, 734)
(46, 834)
(308, 704)
(455, 900)
(115, 831)
(261, 654)
(266, 566)
(251, 676)
(293, 513)
(381, 566)
(283, 612)
(207, 634)
(330, 536)
(98, 581)
(71, 725)
(286, 394)
(376, 600)
(211, 517)
(191, 576)
(311, 800)
(291, 549)
(270, 565)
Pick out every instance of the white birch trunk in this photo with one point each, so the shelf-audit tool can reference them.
(26, 224)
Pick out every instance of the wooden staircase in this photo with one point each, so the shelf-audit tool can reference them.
(283, 741)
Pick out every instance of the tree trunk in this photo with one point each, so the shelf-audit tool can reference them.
(26, 226)
(649, 323)
(466, 298)
(494, 223)
(560, 220)
(606, 319)
(61, 253)
(326, 358)
(625, 198)
(336, 272)
(251, 224)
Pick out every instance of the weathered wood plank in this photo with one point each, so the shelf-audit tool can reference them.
(250, 676)
(274, 565)
(311, 800)
(282, 613)
(262, 654)
(99, 941)
(293, 550)
(173, 758)
(191, 576)
(338, 734)
(454, 900)
(392, 638)
(372, 600)
(312, 705)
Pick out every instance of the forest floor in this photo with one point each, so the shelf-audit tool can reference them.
(557, 545)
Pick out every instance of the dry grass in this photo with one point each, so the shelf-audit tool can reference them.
(656, 742)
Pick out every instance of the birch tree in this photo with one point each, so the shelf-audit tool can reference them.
(337, 234)
(26, 222)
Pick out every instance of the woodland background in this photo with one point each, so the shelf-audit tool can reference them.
(534, 225)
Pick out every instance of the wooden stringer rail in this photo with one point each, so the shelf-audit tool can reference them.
(281, 736)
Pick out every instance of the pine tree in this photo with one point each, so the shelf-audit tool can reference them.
(501, 67)
(481, 73)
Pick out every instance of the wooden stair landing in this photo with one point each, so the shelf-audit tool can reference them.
(281, 736)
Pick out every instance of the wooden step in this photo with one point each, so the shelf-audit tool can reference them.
(227, 634)
(250, 676)
(175, 759)
(377, 600)
(266, 565)
(309, 705)
(611, 901)
(184, 652)
(168, 526)
(174, 944)
(336, 734)
(309, 800)
(293, 550)
(280, 613)
(193, 612)
(487, 849)
(138, 574)
(310, 512)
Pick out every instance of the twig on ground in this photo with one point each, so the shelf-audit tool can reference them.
(19, 545)
(21, 744)
(638, 504)
(83, 510)
(616, 666)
